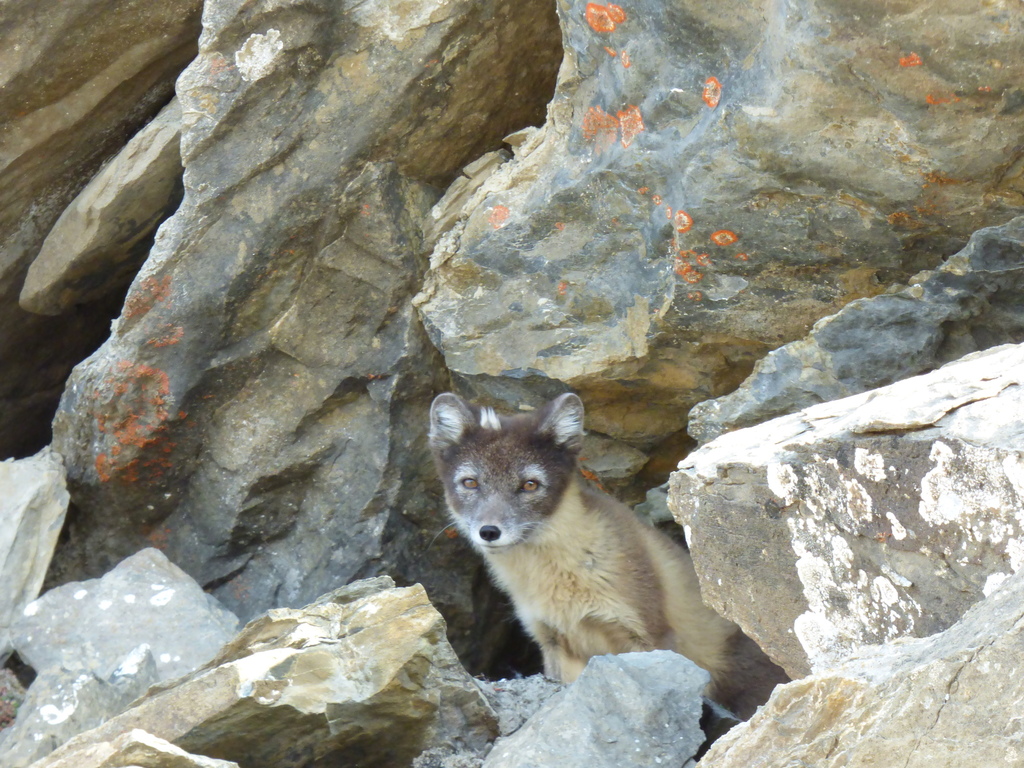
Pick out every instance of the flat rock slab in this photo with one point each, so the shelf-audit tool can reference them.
(882, 515)
(137, 749)
(970, 303)
(363, 676)
(33, 503)
(946, 701)
(144, 600)
(630, 709)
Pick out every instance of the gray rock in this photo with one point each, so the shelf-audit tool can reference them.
(972, 302)
(137, 749)
(95, 244)
(516, 701)
(72, 91)
(363, 676)
(33, 502)
(697, 197)
(883, 515)
(96, 624)
(630, 709)
(63, 702)
(260, 406)
(946, 701)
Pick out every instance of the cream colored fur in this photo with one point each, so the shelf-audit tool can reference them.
(596, 580)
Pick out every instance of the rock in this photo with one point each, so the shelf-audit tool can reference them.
(630, 709)
(101, 238)
(362, 676)
(516, 701)
(695, 175)
(62, 702)
(971, 302)
(32, 508)
(942, 702)
(144, 600)
(259, 410)
(138, 749)
(883, 515)
(72, 92)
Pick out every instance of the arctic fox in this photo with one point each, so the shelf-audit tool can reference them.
(586, 577)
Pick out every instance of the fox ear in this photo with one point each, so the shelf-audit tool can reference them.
(450, 416)
(563, 421)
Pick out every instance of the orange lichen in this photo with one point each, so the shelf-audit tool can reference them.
(627, 62)
(687, 254)
(656, 199)
(615, 13)
(560, 225)
(684, 221)
(689, 273)
(703, 259)
(982, 88)
(147, 295)
(937, 178)
(611, 51)
(742, 256)
(562, 288)
(632, 124)
(498, 216)
(173, 336)
(600, 128)
(592, 478)
(940, 99)
(600, 18)
(643, 190)
(695, 295)
(913, 60)
(723, 237)
(712, 92)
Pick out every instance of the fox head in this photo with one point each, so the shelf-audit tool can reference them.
(504, 475)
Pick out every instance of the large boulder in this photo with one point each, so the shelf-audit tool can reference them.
(259, 410)
(631, 709)
(363, 676)
(712, 179)
(883, 515)
(974, 301)
(101, 238)
(33, 503)
(73, 90)
(946, 701)
(138, 749)
(98, 645)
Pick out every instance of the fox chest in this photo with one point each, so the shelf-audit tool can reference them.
(563, 592)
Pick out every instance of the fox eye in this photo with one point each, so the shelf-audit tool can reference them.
(470, 482)
(530, 485)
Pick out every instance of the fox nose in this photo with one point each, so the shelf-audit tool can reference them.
(490, 532)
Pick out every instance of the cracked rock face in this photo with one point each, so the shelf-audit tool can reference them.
(950, 700)
(704, 166)
(882, 515)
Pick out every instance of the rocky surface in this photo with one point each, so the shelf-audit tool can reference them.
(972, 302)
(946, 701)
(879, 516)
(363, 676)
(98, 645)
(72, 92)
(258, 411)
(33, 503)
(704, 166)
(102, 237)
(138, 749)
(631, 709)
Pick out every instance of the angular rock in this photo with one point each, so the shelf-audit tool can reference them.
(138, 749)
(33, 502)
(259, 408)
(144, 600)
(697, 173)
(100, 240)
(972, 302)
(946, 701)
(72, 91)
(882, 515)
(62, 702)
(363, 676)
(630, 709)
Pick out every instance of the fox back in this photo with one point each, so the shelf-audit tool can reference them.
(586, 577)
